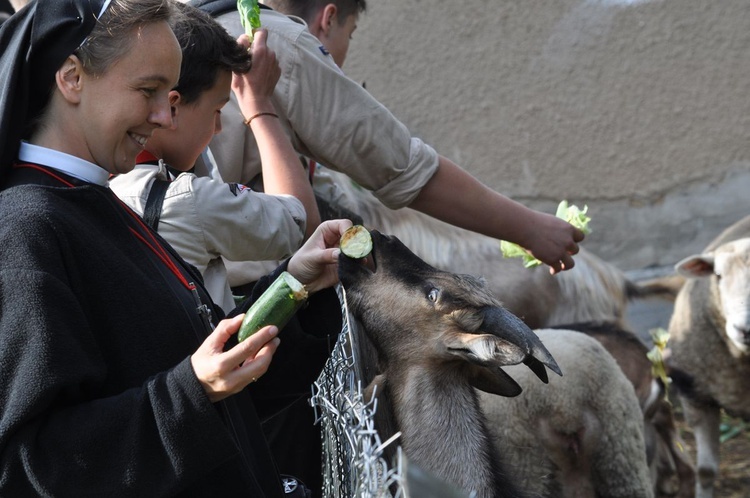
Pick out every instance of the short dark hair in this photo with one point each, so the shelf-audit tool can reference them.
(306, 9)
(207, 48)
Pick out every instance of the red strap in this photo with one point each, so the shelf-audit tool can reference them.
(44, 170)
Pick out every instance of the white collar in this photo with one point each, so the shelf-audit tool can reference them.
(65, 163)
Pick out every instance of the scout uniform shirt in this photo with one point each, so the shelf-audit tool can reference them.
(206, 220)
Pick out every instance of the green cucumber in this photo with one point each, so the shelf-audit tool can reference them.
(275, 306)
(356, 242)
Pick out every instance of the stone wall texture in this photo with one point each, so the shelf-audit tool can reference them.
(639, 109)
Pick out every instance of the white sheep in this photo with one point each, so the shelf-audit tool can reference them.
(581, 435)
(710, 343)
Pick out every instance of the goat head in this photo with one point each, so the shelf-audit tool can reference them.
(413, 312)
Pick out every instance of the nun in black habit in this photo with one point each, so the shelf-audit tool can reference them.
(114, 380)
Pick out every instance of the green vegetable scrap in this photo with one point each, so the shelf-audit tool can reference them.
(511, 250)
(249, 16)
(660, 337)
(574, 216)
(728, 430)
(568, 212)
(356, 242)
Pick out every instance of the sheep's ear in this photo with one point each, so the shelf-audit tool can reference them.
(493, 380)
(699, 265)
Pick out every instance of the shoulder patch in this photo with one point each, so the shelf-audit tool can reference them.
(238, 188)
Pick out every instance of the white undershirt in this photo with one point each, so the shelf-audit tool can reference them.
(65, 163)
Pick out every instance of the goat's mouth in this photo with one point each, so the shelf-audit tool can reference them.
(369, 261)
(352, 269)
(367, 265)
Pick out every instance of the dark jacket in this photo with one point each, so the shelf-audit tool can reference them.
(98, 396)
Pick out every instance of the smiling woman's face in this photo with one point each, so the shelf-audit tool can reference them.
(119, 109)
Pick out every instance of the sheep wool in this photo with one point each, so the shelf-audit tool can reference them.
(581, 432)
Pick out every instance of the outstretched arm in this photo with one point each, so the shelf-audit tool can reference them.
(456, 197)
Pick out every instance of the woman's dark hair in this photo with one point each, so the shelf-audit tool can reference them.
(207, 48)
(108, 41)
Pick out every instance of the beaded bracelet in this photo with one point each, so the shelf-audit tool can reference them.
(247, 121)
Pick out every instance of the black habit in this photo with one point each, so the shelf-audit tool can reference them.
(98, 395)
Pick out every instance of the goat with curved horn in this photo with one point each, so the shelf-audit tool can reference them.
(437, 336)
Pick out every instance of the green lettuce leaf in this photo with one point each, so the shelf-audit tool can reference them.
(568, 212)
(511, 250)
(249, 15)
(574, 216)
(660, 337)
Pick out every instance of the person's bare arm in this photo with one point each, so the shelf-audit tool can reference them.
(282, 170)
(456, 197)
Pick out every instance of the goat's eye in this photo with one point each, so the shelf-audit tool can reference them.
(433, 294)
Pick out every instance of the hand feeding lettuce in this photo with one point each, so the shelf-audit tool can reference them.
(568, 212)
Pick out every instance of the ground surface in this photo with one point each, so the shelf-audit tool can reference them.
(734, 467)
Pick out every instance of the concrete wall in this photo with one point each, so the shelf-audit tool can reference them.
(638, 109)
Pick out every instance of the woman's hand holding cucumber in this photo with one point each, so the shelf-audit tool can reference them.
(223, 373)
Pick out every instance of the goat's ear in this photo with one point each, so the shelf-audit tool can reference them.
(484, 349)
(375, 388)
(493, 380)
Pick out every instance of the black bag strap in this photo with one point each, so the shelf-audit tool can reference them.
(152, 212)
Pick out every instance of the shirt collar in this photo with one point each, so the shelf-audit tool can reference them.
(65, 163)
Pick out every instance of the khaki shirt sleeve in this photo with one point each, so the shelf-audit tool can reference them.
(334, 121)
(205, 219)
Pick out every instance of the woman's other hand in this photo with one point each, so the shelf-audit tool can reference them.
(224, 373)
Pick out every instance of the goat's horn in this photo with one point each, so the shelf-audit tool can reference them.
(503, 323)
